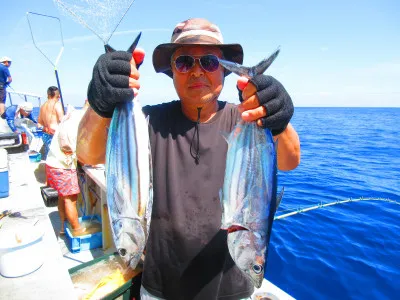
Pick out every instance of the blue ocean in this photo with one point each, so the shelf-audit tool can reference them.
(345, 251)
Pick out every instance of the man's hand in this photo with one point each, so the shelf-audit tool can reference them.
(115, 80)
(265, 100)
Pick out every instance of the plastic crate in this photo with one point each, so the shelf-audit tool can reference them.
(129, 291)
(37, 132)
(35, 156)
(49, 195)
(84, 242)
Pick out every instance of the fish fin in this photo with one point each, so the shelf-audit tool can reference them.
(135, 43)
(235, 68)
(225, 135)
(235, 227)
(263, 65)
(279, 197)
(108, 48)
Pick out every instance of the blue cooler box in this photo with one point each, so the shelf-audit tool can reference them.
(84, 242)
(4, 181)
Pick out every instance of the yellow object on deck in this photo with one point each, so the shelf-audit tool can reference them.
(107, 285)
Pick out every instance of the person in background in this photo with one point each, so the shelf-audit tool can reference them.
(50, 115)
(61, 164)
(14, 112)
(186, 254)
(5, 80)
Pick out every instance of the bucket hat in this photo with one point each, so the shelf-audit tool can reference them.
(26, 106)
(4, 59)
(194, 32)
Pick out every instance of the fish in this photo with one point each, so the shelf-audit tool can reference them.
(249, 193)
(249, 72)
(249, 197)
(129, 179)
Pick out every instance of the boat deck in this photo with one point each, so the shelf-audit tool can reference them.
(52, 280)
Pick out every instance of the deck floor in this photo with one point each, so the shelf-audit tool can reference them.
(70, 259)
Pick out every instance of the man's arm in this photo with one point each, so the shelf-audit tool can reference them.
(59, 112)
(288, 149)
(40, 118)
(92, 138)
(11, 124)
(93, 128)
(30, 117)
(9, 78)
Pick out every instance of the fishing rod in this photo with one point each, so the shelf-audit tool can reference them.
(304, 209)
(59, 54)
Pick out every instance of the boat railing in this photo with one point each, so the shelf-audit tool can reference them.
(24, 96)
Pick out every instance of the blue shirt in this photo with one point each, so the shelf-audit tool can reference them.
(4, 74)
(9, 115)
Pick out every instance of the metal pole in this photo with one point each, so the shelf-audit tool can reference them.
(59, 89)
(59, 54)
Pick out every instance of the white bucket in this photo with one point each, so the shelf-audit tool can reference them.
(21, 251)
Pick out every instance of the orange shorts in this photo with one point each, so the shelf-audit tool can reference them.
(64, 181)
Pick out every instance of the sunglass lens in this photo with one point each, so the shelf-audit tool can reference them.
(209, 63)
(184, 63)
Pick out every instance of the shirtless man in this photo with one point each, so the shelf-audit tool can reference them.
(50, 115)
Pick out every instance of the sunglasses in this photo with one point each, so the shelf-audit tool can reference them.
(208, 63)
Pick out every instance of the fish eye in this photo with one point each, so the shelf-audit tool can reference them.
(122, 251)
(257, 269)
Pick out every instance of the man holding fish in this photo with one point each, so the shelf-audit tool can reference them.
(187, 255)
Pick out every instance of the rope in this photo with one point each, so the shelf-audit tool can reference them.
(304, 209)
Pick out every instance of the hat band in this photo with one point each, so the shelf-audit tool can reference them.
(215, 35)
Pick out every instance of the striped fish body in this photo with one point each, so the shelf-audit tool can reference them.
(248, 197)
(129, 181)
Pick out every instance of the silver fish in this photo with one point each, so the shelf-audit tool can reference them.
(249, 72)
(248, 197)
(129, 181)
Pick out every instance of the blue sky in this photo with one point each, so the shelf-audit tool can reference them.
(333, 53)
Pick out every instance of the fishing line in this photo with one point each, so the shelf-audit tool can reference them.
(59, 54)
(304, 209)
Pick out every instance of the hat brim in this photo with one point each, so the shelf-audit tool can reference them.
(162, 55)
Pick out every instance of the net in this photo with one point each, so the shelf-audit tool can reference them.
(102, 17)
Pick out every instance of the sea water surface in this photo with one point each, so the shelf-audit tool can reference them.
(346, 251)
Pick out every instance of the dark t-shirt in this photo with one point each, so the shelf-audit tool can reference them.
(186, 254)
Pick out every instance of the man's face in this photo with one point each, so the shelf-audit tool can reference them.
(24, 113)
(197, 86)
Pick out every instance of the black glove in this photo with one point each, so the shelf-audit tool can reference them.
(110, 82)
(276, 100)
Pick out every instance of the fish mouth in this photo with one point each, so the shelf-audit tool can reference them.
(235, 228)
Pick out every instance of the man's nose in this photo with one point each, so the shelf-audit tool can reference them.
(197, 70)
